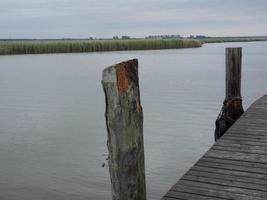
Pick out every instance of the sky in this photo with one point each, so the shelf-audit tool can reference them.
(136, 18)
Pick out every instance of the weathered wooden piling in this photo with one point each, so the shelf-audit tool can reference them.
(124, 121)
(232, 107)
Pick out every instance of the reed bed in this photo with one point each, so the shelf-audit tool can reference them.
(72, 46)
(233, 39)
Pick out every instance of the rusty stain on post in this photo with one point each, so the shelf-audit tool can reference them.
(122, 81)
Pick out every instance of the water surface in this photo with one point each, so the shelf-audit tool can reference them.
(52, 128)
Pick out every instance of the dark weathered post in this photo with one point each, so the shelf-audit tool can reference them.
(232, 107)
(124, 120)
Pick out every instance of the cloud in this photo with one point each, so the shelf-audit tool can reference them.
(105, 18)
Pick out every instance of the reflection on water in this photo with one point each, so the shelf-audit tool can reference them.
(52, 128)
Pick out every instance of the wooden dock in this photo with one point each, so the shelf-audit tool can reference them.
(235, 167)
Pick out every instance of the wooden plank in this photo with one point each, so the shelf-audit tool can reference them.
(243, 149)
(232, 167)
(208, 174)
(249, 133)
(221, 187)
(219, 192)
(243, 142)
(239, 156)
(246, 129)
(244, 138)
(211, 193)
(191, 195)
(234, 162)
(249, 157)
(226, 182)
(234, 172)
(257, 136)
(236, 166)
(242, 124)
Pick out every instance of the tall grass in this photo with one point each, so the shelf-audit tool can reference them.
(234, 39)
(71, 46)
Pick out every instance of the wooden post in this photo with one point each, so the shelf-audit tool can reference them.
(232, 107)
(124, 121)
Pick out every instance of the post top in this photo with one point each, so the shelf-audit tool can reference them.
(123, 74)
(233, 48)
(109, 73)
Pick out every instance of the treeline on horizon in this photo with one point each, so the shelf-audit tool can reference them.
(8, 47)
(153, 37)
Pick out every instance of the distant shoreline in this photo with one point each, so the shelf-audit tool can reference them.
(48, 46)
(234, 39)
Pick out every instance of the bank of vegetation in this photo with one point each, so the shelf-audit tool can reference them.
(232, 39)
(8, 47)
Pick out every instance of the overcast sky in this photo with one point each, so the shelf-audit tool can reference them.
(137, 18)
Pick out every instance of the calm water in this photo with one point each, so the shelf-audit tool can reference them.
(52, 128)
